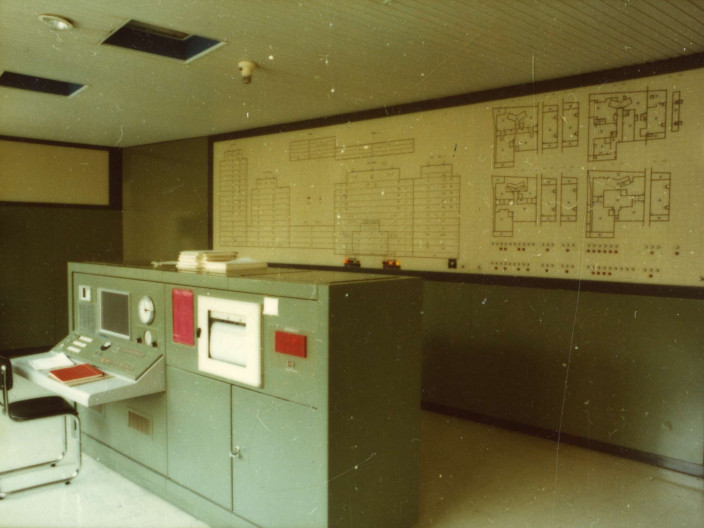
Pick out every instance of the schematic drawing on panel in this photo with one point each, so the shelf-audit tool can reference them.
(558, 199)
(515, 201)
(569, 193)
(676, 118)
(659, 197)
(374, 149)
(232, 198)
(436, 212)
(570, 124)
(327, 147)
(307, 236)
(537, 200)
(625, 117)
(311, 149)
(639, 197)
(515, 130)
(551, 126)
(374, 213)
(271, 214)
(380, 212)
(533, 128)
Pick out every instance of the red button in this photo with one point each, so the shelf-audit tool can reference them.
(291, 344)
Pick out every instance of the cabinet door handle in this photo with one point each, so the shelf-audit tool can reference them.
(236, 452)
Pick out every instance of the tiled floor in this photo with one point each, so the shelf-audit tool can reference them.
(473, 475)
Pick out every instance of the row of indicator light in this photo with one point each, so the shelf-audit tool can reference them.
(386, 264)
(351, 262)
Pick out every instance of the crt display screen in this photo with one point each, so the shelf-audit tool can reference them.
(115, 313)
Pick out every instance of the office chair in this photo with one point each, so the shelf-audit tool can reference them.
(36, 409)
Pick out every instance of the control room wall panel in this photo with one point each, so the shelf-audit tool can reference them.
(598, 182)
(622, 370)
(38, 242)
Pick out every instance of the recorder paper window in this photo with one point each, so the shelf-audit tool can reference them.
(230, 341)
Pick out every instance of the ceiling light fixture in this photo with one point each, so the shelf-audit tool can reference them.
(56, 22)
(39, 84)
(162, 41)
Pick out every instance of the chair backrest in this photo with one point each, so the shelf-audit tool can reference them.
(6, 373)
(5, 381)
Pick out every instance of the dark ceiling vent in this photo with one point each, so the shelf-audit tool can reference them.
(39, 84)
(165, 42)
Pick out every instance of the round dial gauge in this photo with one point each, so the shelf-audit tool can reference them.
(146, 310)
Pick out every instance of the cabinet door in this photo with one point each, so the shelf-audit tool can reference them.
(199, 428)
(280, 475)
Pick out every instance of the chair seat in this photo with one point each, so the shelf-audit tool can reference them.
(45, 407)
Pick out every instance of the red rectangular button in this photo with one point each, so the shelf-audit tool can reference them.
(291, 344)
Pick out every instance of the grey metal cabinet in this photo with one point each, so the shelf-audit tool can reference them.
(198, 414)
(325, 432)
(262, 461)
(279, 475)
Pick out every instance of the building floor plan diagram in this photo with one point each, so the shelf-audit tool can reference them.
(626, 117)
(535, 128)
(625, 196)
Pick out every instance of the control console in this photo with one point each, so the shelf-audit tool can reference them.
(127, 360)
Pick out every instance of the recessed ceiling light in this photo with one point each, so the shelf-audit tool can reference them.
(56, 22)
(34, 83)
(157, 40)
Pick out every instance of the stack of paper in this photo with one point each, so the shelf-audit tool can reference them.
(199, 259)
(52, 362)
(235, 265)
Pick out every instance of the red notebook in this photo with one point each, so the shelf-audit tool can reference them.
(76, 374)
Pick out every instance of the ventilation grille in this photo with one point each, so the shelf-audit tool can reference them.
(86, 317)
(139, 423)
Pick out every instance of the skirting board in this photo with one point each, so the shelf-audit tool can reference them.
(652, 459)
(182, 498)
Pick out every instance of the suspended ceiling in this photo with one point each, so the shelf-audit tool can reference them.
(316, 58)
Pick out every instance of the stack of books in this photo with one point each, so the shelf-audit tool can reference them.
(77, 374)
(200, 259)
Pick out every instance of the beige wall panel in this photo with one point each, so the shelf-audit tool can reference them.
(39, 173)
(601, 183)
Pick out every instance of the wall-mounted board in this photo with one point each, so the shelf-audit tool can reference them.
(43, 173)
(603, 183)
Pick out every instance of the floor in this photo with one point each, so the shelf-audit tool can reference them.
(472, 475)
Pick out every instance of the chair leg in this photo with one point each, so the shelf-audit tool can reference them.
(51, 462)
(72, 426)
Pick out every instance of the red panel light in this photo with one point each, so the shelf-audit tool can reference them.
(182, 312)
(291, 344)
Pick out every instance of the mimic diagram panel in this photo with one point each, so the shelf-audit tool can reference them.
(625, 117)
(380, 211)
(603, 183)
(534, 200)
(533, 128)
(625, 196)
